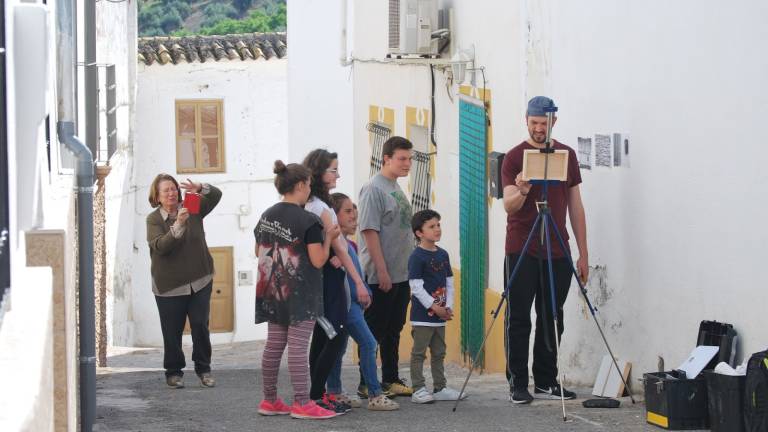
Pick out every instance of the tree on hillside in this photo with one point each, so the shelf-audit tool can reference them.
(216, 12)
(242, 5)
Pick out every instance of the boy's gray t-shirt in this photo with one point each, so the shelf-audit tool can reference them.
(383, 207)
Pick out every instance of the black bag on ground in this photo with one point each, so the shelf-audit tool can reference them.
(756, 393)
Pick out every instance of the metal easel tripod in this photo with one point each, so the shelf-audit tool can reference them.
(544, 221)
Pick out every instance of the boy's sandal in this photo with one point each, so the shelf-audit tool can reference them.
(382, 403)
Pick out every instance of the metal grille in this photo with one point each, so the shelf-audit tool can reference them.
(5, 262)
(473, 220)
(106, 121)
(394, 24)
(379, 134)
(111, 111)
(420, 181)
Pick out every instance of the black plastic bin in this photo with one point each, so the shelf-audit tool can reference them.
(725, 395)
(675, 403)
(721, 335)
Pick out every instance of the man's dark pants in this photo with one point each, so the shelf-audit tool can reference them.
(173, 315)
(386, 318)
(531, 285)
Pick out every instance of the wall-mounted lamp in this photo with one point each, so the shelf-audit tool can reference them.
(460, 62)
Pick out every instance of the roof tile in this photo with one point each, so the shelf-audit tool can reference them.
(192, 49)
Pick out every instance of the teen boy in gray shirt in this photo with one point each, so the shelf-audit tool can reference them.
(386, 243)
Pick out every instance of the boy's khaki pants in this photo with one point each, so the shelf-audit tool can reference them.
(434, 338)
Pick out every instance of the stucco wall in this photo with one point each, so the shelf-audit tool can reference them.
(119, 48)
(255, 134)
(320, 90)
(676, 231)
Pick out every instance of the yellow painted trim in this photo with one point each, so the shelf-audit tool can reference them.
(420, 117)
(495, 356)
(657, 419)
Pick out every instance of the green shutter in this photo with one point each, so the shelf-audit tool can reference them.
(473, 223)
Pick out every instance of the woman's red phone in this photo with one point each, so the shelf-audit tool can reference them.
(192, 202)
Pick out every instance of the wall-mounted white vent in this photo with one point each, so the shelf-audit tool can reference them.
(411, 23)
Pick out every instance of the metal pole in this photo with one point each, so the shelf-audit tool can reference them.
(85, 179)
(91, 78)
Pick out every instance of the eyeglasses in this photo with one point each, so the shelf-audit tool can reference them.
(333, 170)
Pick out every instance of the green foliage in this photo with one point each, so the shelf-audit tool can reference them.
(220, 17)
(160, 17)
(242, 5)
(257, 22)
(216, 12)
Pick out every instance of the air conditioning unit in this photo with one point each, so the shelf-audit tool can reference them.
(411, 23)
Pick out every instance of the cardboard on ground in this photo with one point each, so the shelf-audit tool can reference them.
(533, 165)
(608, 382)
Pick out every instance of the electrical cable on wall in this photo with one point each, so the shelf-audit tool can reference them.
(434, 114)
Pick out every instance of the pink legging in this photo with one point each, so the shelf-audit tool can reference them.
(297, 337)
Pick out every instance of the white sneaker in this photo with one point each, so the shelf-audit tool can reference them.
(422, 396)
(448, 394)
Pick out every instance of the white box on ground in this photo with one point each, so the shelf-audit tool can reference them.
(608, 382)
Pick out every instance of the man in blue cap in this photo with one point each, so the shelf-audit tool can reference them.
(531, 282)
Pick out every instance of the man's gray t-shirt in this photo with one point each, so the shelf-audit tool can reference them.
(384, 208)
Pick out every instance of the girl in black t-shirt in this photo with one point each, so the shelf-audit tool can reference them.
(291, 246)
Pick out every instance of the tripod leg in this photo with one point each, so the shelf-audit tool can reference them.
(553, 302)
(498, 307)
(479, 351)
(583, 291)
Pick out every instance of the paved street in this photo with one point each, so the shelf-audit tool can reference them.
(132, 396)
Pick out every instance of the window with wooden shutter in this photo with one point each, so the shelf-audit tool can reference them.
(199, 136)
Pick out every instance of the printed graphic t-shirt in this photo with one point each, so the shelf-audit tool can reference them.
(289, 288)
(434, 268)
(385, 208)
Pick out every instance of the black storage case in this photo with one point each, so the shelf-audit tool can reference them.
(725, 396)
(675, 403)
(721, 335)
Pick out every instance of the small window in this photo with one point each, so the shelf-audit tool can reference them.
(199, 136)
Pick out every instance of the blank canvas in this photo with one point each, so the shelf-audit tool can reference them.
(533, 165)
(608, 382)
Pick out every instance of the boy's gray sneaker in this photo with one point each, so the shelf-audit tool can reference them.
(520, 396)
(448, 394)
(422, 396)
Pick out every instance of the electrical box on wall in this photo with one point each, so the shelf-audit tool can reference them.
(244, 277)
(495, 187)
(411, 23)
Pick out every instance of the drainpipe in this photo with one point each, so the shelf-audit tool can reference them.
(65, 65)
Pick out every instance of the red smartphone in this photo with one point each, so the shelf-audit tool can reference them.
(192, 202)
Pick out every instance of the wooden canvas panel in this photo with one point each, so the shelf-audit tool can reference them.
(533, 165)
(608, 382)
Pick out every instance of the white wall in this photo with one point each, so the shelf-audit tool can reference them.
(255, 134)
(678, 231)
(320, 89)
(119, 48)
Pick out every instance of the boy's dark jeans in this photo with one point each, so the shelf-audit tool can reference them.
(386, 318)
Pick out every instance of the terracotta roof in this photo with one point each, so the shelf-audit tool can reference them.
(248, 46)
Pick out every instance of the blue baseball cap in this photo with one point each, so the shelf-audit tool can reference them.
(540, 106)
